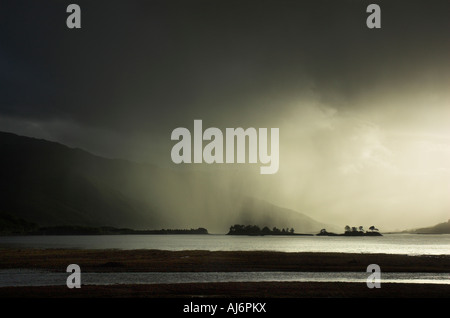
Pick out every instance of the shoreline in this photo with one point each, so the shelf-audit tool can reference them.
(215, 261)
(109, 261)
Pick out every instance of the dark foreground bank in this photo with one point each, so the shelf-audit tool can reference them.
(216, 261)
(234, 290)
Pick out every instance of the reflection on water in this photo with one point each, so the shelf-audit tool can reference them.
(411, 244)
(16, 277)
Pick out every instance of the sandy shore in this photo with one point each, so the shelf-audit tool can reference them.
(195, 261)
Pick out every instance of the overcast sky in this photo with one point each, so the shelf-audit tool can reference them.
(364, 114)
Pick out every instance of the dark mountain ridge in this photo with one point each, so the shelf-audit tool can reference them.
(50, 184)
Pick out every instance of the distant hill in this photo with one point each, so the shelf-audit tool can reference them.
(269, 214)
(441, 228)
(48, 184)
(10, 224)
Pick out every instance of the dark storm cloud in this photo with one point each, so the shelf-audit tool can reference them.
(363, 114)
(150, 66)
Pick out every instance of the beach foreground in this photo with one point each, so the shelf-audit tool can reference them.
(196, 261)
(233, 290)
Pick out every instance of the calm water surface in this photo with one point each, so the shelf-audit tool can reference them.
(411, 244)
(390, 244)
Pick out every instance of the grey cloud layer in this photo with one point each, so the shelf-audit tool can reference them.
(357, 108)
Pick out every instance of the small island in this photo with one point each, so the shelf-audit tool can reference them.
(254, 230)
(352, 231)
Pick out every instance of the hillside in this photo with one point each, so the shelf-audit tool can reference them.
(49, 184)
(441, 228)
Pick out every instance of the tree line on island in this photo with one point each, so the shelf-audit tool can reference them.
(239, 229)
(11, 225)
(353, 231)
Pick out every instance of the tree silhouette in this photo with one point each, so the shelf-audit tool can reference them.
(361, 229)
(347, 228)
(239, 229)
